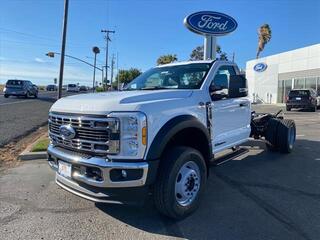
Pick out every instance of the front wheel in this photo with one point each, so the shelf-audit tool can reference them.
(6, 95)
(180, 183)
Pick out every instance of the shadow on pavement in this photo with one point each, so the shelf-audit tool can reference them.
(257, 197)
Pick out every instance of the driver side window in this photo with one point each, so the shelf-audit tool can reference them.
(219, 88)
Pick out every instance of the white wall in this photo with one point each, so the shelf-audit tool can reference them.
(264, 83)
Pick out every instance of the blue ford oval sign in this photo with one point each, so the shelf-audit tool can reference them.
(260, 67)
(210, 23)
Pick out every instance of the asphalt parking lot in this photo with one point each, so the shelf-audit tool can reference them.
(260, 195)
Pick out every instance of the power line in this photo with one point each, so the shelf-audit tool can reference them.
(38, 37)
(28, 34)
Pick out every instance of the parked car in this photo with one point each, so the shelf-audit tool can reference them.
(72, 88)
(52, 87)
(303, 99)
(158, 136)
(83, 88)
(23, 88)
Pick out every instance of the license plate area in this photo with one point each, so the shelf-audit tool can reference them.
(64, 169)
(298, 98)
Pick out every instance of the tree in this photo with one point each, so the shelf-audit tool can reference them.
(264, 36)
(198, 52)
(126, 76)
(223, 56)
(169, 58)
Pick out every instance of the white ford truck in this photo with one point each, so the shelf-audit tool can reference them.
(158, 136)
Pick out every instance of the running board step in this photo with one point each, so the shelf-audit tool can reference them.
(229, 156)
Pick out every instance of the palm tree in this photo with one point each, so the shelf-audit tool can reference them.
(264, 33)
(197, 53)
(169, 58)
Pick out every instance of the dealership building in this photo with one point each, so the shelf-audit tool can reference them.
(271, 78)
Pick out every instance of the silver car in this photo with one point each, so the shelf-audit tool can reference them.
(23, 88)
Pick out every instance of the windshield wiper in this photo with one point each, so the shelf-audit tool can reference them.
(154, 88)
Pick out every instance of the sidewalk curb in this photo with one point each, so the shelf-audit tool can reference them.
(26, 155)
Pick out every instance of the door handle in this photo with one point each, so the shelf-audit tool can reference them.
(243, 104)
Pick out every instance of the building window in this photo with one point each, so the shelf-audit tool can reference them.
(311, 82)
(299, 83)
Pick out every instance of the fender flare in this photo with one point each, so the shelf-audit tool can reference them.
(171, 128)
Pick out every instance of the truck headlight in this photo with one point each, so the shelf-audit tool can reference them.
(133, 135)
(4, 89)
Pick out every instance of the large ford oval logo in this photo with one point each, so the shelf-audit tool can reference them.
(67, 132)
(210, 23)
(260, 67)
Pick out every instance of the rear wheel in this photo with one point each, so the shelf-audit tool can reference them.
(180, 183)
(313, 108)
(6, 95)
(288, 109)
(271, 134)
(286, 135)
(36, 95)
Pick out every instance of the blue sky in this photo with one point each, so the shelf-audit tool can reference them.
(144, 31)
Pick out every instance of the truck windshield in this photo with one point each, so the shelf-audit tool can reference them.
(189, 76)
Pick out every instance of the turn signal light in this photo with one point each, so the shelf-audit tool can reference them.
(144, 135)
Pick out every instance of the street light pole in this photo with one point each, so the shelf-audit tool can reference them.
(51, 54)
(95, 50)
(63, 46)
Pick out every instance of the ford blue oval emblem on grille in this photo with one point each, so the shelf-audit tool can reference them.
(210, 23)
(67, 132)
(260, 67)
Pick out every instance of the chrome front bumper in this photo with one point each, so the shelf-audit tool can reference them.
(56, 154)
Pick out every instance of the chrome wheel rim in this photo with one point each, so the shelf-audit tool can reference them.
(187, 183)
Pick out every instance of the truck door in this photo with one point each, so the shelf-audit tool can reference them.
(230, 116)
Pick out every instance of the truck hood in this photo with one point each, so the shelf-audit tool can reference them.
(103, 103)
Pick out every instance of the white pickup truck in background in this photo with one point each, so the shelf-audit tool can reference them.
(158, 136)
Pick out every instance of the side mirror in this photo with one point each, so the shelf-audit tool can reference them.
(214, 88)
(238, 86)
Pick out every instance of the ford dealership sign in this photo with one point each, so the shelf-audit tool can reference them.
(210, 23)
(260, 67)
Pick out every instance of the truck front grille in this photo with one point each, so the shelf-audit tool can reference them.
(99, 135)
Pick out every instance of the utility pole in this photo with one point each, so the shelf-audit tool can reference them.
(107, 38)
(102, 75)
(112, 67)
(118, 71)
(63, 46)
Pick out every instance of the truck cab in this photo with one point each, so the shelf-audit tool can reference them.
(156, 137)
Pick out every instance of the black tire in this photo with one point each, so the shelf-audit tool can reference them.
(172, 162)
(6, 95)
(36, 95)
(271, 134)
(288, 109)
(313, 108)
(286, 135)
